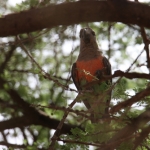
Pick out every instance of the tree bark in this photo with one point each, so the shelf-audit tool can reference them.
(74, 13)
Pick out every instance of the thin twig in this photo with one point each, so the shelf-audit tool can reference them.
(7, 58)
(45, 74)
(146, 42)
(79, 142)
(60, 125)
(77, 112)
(135, 61)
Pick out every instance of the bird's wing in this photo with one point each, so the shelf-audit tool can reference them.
(107, 65)
(75, 78)
(74, 75)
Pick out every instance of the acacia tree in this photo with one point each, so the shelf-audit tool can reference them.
(39, 44)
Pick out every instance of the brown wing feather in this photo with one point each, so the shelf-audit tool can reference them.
(77, 83)
(75, 76)
(107, 66)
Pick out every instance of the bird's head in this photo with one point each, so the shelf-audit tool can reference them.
(88, 38)
(87, 35)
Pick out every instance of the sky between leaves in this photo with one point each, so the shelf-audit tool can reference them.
(14, 2)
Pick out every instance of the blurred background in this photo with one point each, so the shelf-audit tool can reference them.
(55, 50)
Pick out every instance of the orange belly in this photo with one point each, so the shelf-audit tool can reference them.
(87, 69)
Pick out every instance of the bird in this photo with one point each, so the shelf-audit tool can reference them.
(90, 67)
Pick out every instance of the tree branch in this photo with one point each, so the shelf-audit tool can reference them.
(31, 115)
(7, 58)
(119, 73)
(146, 42)
(60, 125)
(142, 136)
(81, 11)
(131, 100)
(43, 120)
(127, 131)
(131, 75)
(13, 145)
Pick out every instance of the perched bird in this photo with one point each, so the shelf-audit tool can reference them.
(91, 66)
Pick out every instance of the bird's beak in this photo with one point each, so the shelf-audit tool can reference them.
(86, 36)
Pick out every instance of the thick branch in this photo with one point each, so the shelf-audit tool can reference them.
(43, 120)
(31, 115)
(14, 122)
(37, 117)
(12, 145)
(119, 73)
(131, 75)
(74, 13)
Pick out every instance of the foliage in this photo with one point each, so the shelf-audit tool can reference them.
(37, 67)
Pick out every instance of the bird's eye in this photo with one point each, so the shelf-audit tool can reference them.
(93, 33)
